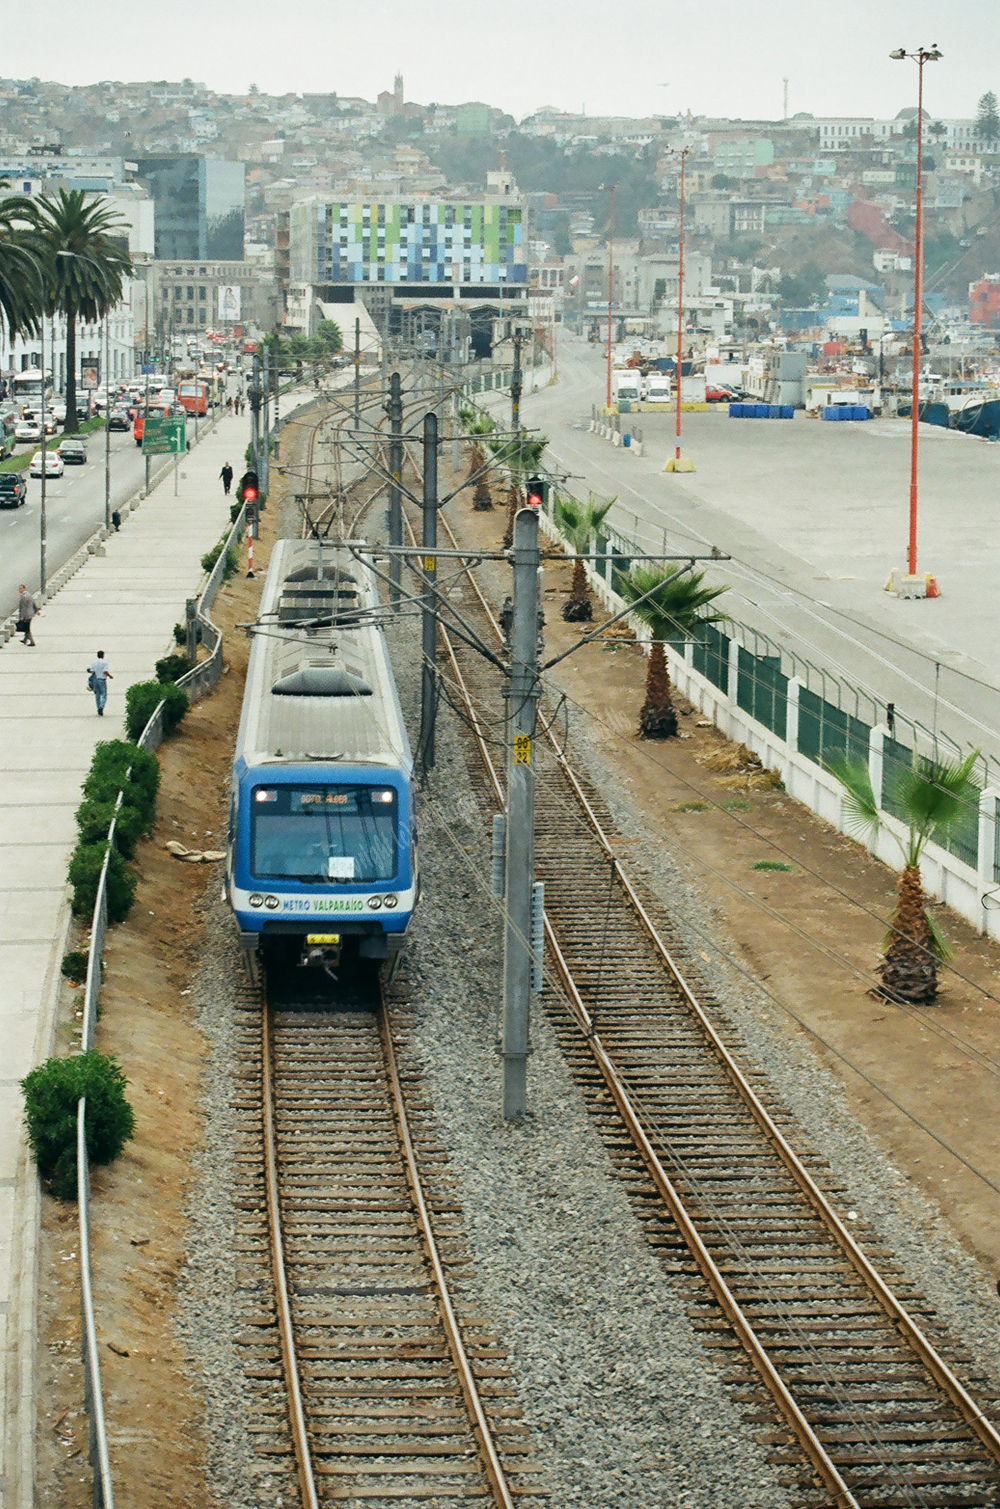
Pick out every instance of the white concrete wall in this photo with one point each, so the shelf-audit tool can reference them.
(972, 893)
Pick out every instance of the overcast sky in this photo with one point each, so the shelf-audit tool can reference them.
(717, 57)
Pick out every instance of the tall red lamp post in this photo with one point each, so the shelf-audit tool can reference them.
(611, 277)
(920, 57)
(675, 463)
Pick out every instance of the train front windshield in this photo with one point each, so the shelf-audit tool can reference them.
(324, 834)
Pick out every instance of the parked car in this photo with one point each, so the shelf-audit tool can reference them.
(120, 419)
(719, 395)
(53, 464)
(13, 489)
(72, 450)
(28, 429)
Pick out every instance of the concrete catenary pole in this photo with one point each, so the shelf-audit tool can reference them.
(522, 692)
(396, 472)
(357, 374)
(515, 385)
(428, 682)
(265, 444)
(253, 393)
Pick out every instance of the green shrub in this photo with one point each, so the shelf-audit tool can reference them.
(234, 514)
(210, 557)
(51, 1093)
(109, 773)
(180, 633)
(74, 967)
(85, 874)
(144, 697)
(94, 821)
(171, 666)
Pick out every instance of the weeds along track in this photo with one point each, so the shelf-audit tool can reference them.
(827, 1345)
(370, 1381)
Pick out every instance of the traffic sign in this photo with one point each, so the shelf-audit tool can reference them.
(164, 435)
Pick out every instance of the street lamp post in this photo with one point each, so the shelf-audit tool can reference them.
(920, 57)
(611, 278)
(676, 464)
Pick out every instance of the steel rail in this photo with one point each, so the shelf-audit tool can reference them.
(502, 1494)
(751, 1343)
(880, 1290)
(296, 1409)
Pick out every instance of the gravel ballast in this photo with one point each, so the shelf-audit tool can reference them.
(626, 1409)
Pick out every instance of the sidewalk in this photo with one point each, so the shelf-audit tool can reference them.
(126, 603)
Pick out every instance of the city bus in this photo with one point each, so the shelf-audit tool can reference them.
(193, 396)
(156, 410)
(26, 387)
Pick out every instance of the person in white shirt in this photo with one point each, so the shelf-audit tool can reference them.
(98, 677)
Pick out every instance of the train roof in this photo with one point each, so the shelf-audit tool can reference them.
(320, 685)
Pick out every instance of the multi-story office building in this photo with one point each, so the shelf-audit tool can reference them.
(191, 298)
(199, 206)
(439, 242)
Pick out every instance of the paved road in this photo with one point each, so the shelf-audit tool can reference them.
(814, 516)
(74, 509)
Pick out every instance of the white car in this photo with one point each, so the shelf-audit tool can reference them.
(58, 412)
(53, 464)
(28, 429)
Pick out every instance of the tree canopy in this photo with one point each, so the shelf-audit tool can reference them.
(987, 124)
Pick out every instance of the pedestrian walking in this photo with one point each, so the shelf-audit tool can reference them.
(227, 478)
(98, 677)
(27, 610)
(116, 519)
(229, 404)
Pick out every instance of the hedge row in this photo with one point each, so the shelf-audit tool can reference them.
(116, 766)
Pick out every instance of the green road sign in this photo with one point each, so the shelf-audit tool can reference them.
(164, 436)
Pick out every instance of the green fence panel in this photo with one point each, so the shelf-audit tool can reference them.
(621, 565)
(762, 690)
(600, 546)
(827, 733)
(897, 760)
(711, 656)
(963, 839)
(996, 842)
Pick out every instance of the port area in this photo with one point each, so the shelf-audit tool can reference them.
(815, 517)
(797, 945)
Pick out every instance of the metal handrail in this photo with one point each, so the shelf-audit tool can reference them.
(196, 682)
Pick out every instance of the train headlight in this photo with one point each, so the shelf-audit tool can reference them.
(374, 903)
(390, 901)
(272, 903)
(256, 899)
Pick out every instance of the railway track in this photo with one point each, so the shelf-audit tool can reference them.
(374, 1380)
(838, 1357)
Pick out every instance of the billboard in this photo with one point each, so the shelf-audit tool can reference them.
(89, 371)
(229, 302)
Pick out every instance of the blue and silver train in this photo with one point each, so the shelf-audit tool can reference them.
(322, 857)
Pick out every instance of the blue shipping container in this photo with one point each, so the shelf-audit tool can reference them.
(736, 411)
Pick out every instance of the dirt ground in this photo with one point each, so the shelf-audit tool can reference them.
(148, 1022)
(811, 934)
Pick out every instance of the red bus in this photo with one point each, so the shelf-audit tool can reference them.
(193, 396)
(159, 410)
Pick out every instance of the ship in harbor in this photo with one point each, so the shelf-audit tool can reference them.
(972, 407)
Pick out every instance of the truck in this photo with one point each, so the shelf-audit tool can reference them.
(658, 388)
(626, 386)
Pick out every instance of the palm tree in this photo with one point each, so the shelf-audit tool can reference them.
(671, 609)
(84, 268)
(929, 800)
(580, 522)
(20, 275)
